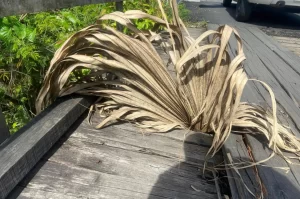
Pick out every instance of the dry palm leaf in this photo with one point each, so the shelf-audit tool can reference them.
(205, 95)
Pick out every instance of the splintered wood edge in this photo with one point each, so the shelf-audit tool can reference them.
(20, 153)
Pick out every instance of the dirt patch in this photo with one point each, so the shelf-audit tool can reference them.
(289, 38)
(280, 32)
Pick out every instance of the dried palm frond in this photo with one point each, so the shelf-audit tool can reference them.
(204, 96)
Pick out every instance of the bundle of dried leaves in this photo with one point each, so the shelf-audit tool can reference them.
(133, 83)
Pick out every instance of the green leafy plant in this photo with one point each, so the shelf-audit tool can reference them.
(28, 42)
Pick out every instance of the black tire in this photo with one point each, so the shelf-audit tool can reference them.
(243, 10)
(227, 3)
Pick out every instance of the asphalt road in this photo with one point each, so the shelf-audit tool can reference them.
(272, 21)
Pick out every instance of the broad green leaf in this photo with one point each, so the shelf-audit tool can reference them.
(32, 35)
(5, 21)
(5, 33)
(20, 31)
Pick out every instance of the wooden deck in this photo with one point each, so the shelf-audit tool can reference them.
(120, 162)
(276, 65)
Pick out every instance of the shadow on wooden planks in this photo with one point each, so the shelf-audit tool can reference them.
(261, 180)
(114, 162)
(284, 188)
(270, 62)
(207, 177)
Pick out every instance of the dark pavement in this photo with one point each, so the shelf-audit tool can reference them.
(272, 21)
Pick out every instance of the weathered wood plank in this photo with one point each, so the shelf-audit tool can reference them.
(231, 180)
(72, 180)
(245, 177)
(277, 66)
(80, 165)
(278, 183)
(17, 7)
(175, 136)
(120, 161)
(264, 63)
(288, 111)
(144, 168)
(259, 64)
(255, 68)
(4, 132)
(283, 53)
(235, 148)
(274, 179)
(150, 142)
(28, 193)
(198, 138)
(134, 166)
(25, 148)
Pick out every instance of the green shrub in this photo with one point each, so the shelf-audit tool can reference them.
(28, 42)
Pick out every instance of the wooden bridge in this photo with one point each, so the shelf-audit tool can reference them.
(59, 155)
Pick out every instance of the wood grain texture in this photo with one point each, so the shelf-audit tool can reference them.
(122, 161)
(285, 76)
(268, 61)
(235, 149)
(25, 148)
(17, 7)
(4, 132)
(280, 75)
(283, 53)
(264, 63)
(117, 162)
(150, 143)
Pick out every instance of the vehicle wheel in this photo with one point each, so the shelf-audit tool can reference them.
(227, 3)
(243, 10)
